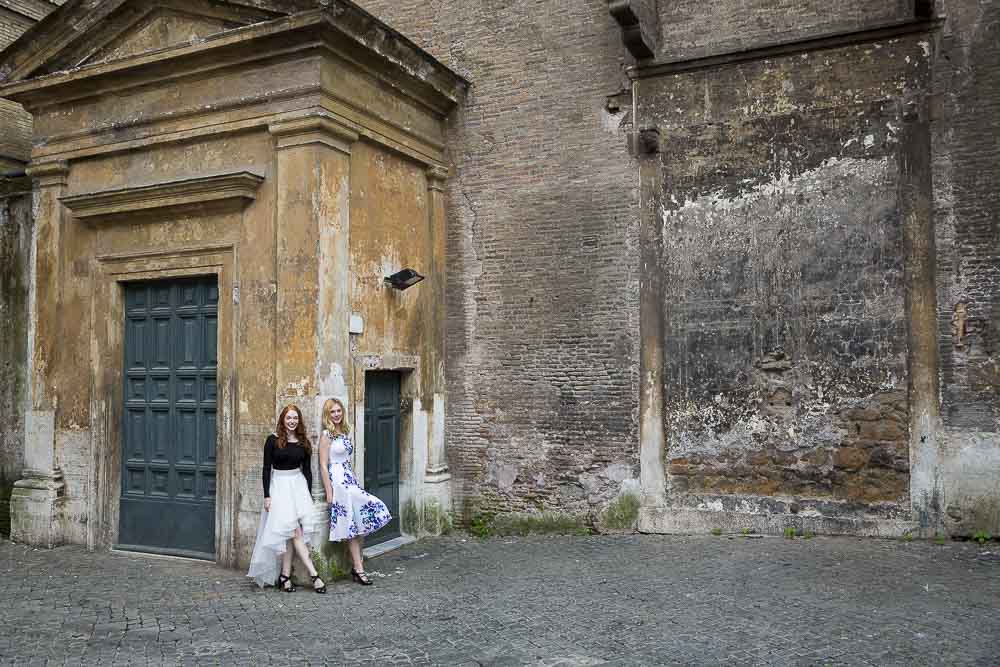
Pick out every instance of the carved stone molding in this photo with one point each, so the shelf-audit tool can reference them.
(436, 177)
(237, 189)
(314, 130)
(640, 26)
(49, 173)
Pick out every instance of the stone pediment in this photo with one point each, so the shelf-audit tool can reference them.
(159, 28)
(90, 48)
(87, 46)
(83, 32)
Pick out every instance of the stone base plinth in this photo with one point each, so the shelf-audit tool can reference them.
(35, 505)
(770, 516)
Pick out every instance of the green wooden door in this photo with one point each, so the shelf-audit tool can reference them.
(169, 424)
(382, 446)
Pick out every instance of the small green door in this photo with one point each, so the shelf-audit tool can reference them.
(169, 424)
(382, 446)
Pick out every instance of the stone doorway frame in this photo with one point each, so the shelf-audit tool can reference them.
(411, 464)
(107, 356)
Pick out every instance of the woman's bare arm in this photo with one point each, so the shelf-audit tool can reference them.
(324, 459)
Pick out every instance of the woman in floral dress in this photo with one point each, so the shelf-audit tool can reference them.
(354, 512)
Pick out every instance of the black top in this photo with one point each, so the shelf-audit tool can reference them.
(293, 455)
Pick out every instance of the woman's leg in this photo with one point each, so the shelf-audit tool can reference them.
(286, 562)
(354, 546)
(358, 571)
(303, 551)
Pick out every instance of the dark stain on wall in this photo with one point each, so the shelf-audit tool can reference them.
(785, 344)
(15, 245)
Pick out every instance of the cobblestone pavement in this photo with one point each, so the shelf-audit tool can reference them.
(633, 600)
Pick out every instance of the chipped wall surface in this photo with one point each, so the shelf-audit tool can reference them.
(15, 254)
(788, 196)
(783, 259)
(812, 201)
(306, 146)
(542, 277)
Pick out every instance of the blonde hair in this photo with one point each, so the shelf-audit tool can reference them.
(344, 428)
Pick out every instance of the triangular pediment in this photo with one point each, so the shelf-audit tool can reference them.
(160, 28)
(87, 33)
(91, 47)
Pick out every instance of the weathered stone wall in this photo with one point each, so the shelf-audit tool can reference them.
(786, 295)
(542, 254)
(15, 254)
(787, 316)
(966, 155)
(783, 257)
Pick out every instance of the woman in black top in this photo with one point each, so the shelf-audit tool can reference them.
(288, 520)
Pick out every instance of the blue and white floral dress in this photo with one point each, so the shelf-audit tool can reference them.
(354, 512)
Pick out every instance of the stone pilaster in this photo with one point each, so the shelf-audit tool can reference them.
(917, 212)
(437, 463)
(437, 487)
(37, 497)
(652, 437)
(313, 265)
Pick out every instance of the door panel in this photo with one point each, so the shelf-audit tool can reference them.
(169, 429)
(382, 421)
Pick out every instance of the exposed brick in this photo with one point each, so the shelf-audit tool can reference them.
(966, 159)
(543, 305)
(745, 24)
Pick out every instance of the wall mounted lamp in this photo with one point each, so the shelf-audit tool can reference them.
(403, 279)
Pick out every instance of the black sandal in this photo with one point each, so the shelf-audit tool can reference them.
(282, 580)
(321, 589)
(360, 577)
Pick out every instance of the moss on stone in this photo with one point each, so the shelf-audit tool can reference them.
(331, 563)
(622, 513)
(544, 523)
(436, 520)
(427, 519)
(410, 518)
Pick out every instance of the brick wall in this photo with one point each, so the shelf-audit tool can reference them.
(796, 319)
(966, 169)
(695, 28)
(16, 16)
(967, 152)
(543, 306)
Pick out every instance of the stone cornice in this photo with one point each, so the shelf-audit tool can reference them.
(415, 69)
(237, 189)
(835, 41)
(437, 175)
(319, 129)
(49, 173)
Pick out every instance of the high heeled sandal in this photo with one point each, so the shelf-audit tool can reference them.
(321, 589)
(282, 580)
(360, 577)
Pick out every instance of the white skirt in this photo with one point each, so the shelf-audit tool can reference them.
(291, 508)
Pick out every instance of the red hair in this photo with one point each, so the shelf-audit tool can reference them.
(300, 430)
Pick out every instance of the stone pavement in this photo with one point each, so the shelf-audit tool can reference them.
(633, 600)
